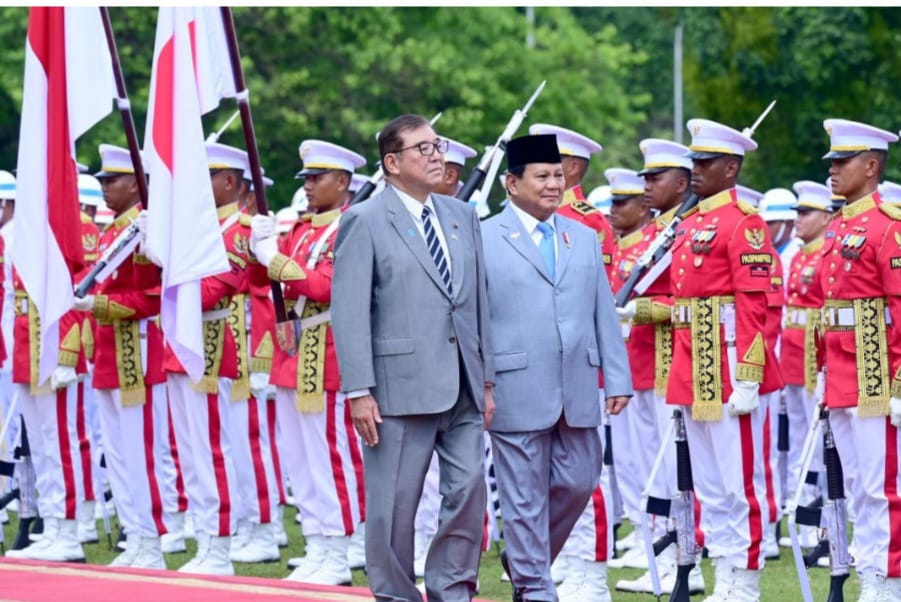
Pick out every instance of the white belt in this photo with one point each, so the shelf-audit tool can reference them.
(314, 321)
(796, 317)
(844, 316)
(215, 314)
(682, 313)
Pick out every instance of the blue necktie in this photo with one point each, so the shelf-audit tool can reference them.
(546, 246)
(431, 241)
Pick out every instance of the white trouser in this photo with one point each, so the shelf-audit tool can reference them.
(52, 436)
(11, 437)
(322, 458)
(635, 444)
(272, 425)
(138, 460)
(771, 456)
(201, 424)
(800, 406)
(728, 471)
(256, 491)
(870, 449)
(84, 432)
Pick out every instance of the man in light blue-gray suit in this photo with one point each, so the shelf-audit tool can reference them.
(410, 321)
(553, 327)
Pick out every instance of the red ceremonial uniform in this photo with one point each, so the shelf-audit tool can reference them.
(640, 339)
(861, 279)
(722, 265)
(802, 317)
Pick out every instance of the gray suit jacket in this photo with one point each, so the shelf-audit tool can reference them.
(550, 337)
(397, 330)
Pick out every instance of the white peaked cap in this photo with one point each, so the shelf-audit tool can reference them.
(568, 142)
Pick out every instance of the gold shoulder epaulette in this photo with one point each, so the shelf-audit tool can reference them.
(747, 207)
(890, 210)
(244, 219)
(583, 208)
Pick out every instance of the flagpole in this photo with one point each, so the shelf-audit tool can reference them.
(125, 109)
(253, 156)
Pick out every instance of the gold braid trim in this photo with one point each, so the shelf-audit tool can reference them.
(663, 356)
(706, 359)
(648, 311)
(107, 310)
(750, 372)
(70, 347)
(872, 351)
(661, 313)
(129, 363)
(237, 321)
(213, 343)
(642, 311)
(34, 346)
(261, 360)
(87, 339)
(814, 317)
(284, 269)
(311, 362)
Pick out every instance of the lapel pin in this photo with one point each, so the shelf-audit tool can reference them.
(566, 240)
(411, 232)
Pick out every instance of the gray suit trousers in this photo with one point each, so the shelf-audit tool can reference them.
(395, 472)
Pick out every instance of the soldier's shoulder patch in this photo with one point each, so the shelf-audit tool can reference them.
(244, 219)
(583, 208)
(890, 210)
(747, 208)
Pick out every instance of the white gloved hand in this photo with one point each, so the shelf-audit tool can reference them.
(262, 226)
(85, 303)
(141, 223)
(895, 411)
(270, 392)
(62, 377)
(264, 250)
(745, 398)
(820, 389)
(627, 312)
(258, 383)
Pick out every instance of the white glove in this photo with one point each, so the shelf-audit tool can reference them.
(62, 377)
(262, 226)
(86, 303)
(265, 250)
(820, 389)
(895, 411)
(258, 383)
(627, 312)
(744, 399)
(141, 223)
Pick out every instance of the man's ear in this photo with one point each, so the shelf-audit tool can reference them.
(389, 163)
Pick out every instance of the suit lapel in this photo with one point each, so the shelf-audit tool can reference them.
(450, 227)
(521, 241)
(564, 245)
(408, 232)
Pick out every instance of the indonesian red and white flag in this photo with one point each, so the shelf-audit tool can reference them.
(69, 87)
(191, 73)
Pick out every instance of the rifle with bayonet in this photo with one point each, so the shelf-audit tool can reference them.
(369, 185)
(480, 172)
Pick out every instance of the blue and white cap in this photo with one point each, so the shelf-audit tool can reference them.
(356, 182)
(457, 152)
(319, 156)
(748, 195)
(778, 204)
(7, 185)
(660, 155)
(223, 156)
(710, 140)
(89, 191)
(114, 161)
(849, 138)
(569, 142)
(601, 199)
(890, 192)
(812, 195)
(267, 182)
(624, 183)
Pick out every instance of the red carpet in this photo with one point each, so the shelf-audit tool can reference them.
(25, 581)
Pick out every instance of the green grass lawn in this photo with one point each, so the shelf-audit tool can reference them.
(779, 582)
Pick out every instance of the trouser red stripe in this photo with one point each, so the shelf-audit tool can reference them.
(215, 434)
(271, 424)
(600, 524)
(84, 445)
(356, 458)
(256, 455)
(768, 470)
(173, 446)
(65, 453)
(755, 524)
(894, 502)
(156, 498)
(331, 434)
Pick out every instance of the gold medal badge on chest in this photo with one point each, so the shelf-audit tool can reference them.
(701, 241)
(851, 247)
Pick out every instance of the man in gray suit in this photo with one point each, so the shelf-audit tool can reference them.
(410, 320)
(553, 327)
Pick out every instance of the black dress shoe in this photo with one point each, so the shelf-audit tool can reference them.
(517, 595)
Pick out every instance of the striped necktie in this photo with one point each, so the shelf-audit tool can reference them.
(431, 240)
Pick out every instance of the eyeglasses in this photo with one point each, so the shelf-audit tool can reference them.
(428, 149)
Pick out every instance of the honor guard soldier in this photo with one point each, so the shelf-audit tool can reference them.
(320, 449)
(721, 273)
(777, 210)
(129, 381)
(800, 363)
(454, 160)
(200, 411)
(861, 278)
(667, 184)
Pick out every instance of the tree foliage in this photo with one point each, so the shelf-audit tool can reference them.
(341, 73)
